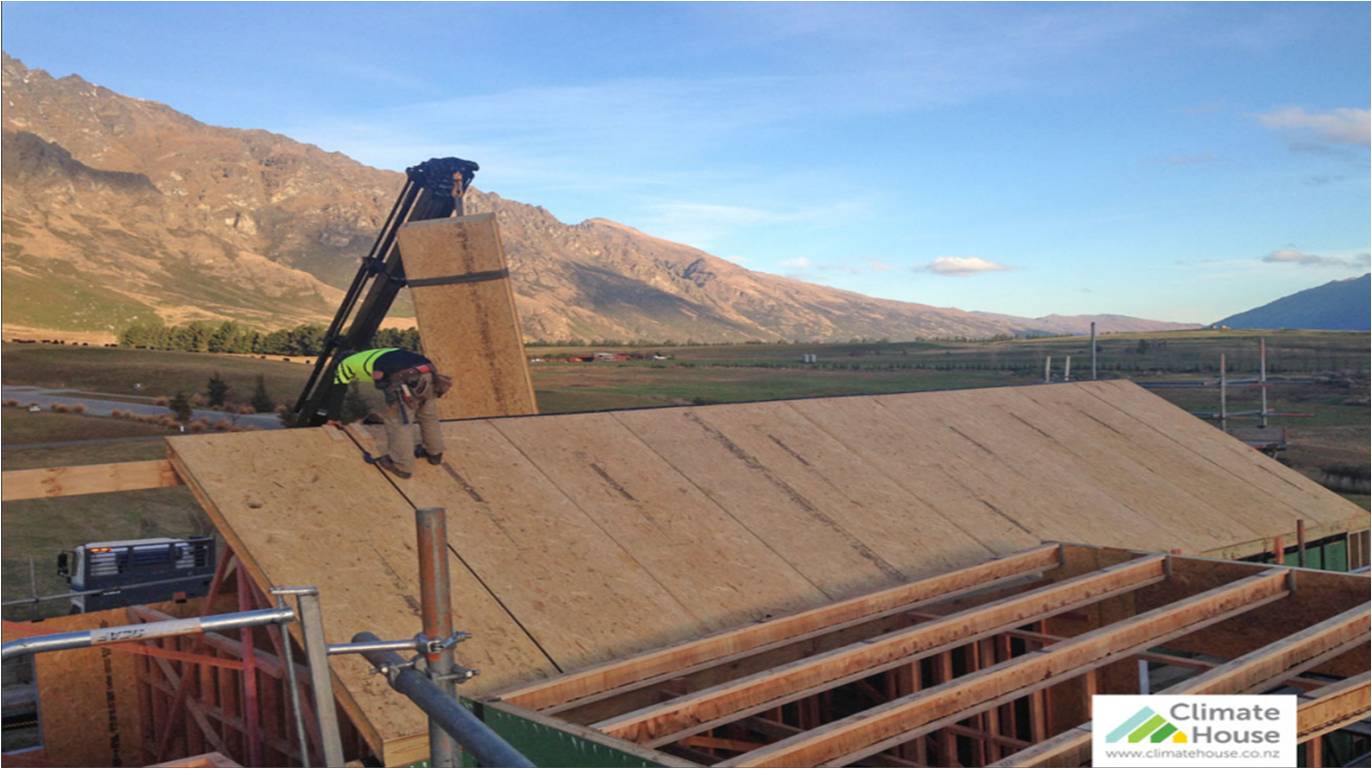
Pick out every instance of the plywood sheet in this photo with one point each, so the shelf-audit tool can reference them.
(554, 565)
(802, 491)
(937, 480)
(664, 519)
(88, 703)
(1273, 482)
(301, 508)
(469, 330)
(582, 538)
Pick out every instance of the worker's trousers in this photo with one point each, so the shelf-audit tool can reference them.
(401, 419)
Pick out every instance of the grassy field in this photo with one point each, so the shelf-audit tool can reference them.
(1335, 432)
(20, 426)
(117, 371)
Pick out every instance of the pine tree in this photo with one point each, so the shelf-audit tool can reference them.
(261, 401)
(217, 390)
(181, 406)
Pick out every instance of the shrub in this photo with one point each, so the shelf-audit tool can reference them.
(198, 426)
(198, 400)
(181, 407)
(59, 408)
(11, 403)
(244, 408)
(223, 425)
(118, 413)
(78, 408)
(161, 400)
(167, 422)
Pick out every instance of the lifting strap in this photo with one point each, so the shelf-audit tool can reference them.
(471, 277)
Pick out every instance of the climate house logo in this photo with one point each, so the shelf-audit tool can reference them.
(1193, 730)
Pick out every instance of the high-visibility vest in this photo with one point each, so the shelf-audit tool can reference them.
(359, 365)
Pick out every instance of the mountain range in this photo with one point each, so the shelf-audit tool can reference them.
(1339, 305)
(118, 209)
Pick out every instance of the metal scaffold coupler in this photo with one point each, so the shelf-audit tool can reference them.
(423, 644)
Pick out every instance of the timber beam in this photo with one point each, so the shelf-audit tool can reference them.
(675, 660)
(47, 482)
(730, 701)
(1333, 707)
(1260, 669)
(877, 729)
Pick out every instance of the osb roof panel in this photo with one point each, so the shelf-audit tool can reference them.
(586, 537)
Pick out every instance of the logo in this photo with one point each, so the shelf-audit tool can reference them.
(1193, 730)
(1147, 724)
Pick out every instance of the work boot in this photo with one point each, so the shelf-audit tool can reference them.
(387, 464)
(422, 453)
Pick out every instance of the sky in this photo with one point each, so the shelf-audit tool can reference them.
(1171, 161)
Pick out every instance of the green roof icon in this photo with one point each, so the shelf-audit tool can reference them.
(1146, 724)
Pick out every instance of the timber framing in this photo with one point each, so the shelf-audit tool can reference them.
(45, 482)
(990, 665)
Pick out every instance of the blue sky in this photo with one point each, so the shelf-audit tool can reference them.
(1172, 161)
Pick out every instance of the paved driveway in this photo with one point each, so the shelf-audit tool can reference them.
(45, 397)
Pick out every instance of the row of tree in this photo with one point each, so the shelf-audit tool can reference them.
(231, 336)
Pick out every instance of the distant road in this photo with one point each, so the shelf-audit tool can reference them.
(99, 407)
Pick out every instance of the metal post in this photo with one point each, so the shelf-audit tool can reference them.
(1093, 350)
(1300, 542)
(289, 654)
(1224, 396)
(436, 606)
(252, 733)
(1262, 378)
(487, 747)
(1067, 370)
(321, 682)
(1047, 369)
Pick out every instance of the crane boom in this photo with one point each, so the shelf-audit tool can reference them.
(433, 190)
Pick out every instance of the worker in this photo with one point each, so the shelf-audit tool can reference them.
(412, 386)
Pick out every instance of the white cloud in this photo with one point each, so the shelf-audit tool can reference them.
(963, 265)
(799, 263)
(1296, 256)
(1344, 125)
(876, 265)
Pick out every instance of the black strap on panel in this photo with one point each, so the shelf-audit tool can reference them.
(447, 280)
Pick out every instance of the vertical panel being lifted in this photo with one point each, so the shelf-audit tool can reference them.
(465, 308)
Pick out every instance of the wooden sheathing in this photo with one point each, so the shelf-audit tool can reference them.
(469, 327)
(88, 701)
(580, 540)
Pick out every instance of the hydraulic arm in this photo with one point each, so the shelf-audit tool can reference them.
(433, 190)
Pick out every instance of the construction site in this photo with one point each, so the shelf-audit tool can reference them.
(921, 579)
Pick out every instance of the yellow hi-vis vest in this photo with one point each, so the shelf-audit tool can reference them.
(359, 365)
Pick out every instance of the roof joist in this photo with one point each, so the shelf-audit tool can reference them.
(663, 723)
(903, 719)
(1258, 670)
(675, 660)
